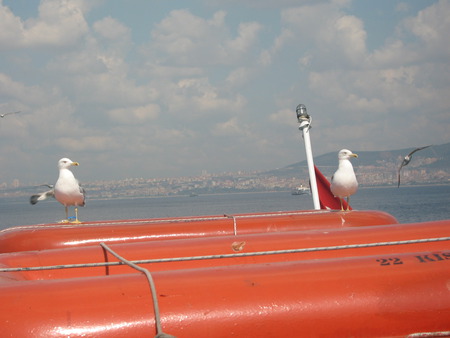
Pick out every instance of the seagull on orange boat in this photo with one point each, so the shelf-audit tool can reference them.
(66, 191)
(406, 161)
(343, 182)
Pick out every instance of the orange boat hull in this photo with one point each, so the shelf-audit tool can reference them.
(59, 236)
(328, 297)
(271, 275)
(233, 250)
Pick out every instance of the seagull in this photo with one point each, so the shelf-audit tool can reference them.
(406, 161)
(343, 182)
(5, 114)
(66, 191)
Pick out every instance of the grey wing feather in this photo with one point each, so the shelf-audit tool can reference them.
(40, 197)
(83, 191)
(417, 149)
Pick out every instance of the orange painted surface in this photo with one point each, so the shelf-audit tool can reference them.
(90, 233)
(355, 296)
(377, 291)
(229, 245)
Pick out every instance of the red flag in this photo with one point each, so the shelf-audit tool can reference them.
(326, 197)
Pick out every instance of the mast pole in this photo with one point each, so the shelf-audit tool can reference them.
(305, 125)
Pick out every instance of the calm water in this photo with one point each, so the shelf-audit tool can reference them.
(407, 204)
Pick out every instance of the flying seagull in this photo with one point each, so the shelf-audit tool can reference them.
(406, 161)
(67, 190)
(343, 182)
(5, 114)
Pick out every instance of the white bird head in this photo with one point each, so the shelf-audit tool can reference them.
(345, 154)
(65, 163)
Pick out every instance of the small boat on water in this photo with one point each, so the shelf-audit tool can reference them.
(322, 272)
(300, 190)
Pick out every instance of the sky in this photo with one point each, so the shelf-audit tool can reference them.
(168, 88)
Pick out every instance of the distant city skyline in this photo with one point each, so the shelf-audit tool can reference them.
(373, 174)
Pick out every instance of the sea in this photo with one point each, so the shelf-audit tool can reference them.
(408, 204)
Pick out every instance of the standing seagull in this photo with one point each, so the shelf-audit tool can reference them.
(5, 114)
(67, 190)
(406, 161)
(343, 182)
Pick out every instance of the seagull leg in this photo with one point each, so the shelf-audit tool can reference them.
(348, 203)
(67, 216)
(76, 216)
(342, 206)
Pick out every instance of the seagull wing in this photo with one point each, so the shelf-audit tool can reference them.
(417, 149)
(40, 197)
(15, 112)
(82, 191)
(406, 160)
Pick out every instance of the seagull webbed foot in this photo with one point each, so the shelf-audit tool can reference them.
(76, 221)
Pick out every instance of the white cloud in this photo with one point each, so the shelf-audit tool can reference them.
(187, 39)
(200, 97)
(247, 35)
(335, 39)
(11, 89)
(85, 144)
(135, 115)
(283, 117)
(238, 77)
(60, 23)
(111, 29)
(430, 39)
(230, 127)
(266, 56)
(11, 29)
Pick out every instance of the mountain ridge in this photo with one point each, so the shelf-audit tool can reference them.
(436, 157)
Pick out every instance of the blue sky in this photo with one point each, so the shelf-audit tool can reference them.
(171, 88)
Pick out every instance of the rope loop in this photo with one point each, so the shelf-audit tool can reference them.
(159, 332)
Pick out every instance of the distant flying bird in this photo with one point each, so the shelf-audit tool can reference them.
(406, 161)
(67, 190)
(6, 114)
(343, 182)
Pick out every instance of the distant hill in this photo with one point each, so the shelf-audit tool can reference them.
(436, 157)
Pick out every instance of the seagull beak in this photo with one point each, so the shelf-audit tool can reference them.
(354, 155)
(75, 163)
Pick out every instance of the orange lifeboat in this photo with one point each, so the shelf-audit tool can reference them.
(90, 261)
(90, 233)
(308, 273)
(351, 296)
